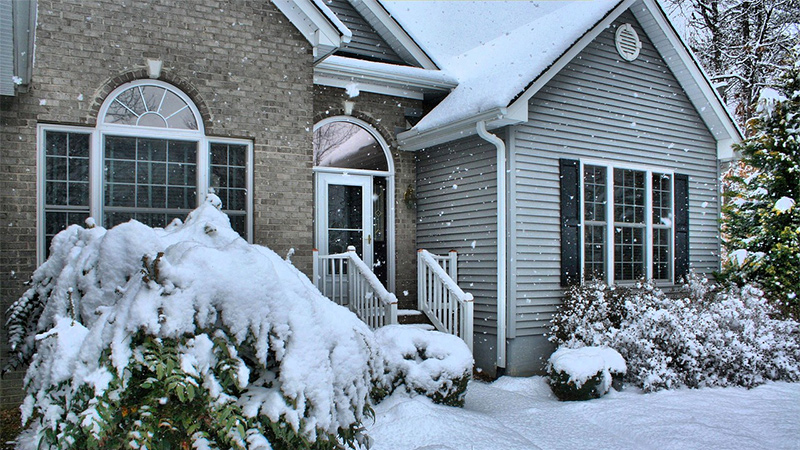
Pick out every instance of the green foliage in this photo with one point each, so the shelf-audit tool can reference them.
(768, 171)
(566, 390)
(158, 405)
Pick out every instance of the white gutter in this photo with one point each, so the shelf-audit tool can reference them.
(382, 78)
(501, 239)
(414, 139)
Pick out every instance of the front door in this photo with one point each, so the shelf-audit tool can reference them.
(344, 214)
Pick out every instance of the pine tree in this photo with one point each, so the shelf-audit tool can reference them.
(761, 220)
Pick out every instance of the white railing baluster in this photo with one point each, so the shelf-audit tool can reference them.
(358, 289)
(448, 307)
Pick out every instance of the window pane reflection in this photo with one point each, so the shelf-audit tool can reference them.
(347, 145)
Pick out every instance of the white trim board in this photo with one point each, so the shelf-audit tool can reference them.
(393, 33)
(316, 23)
(381, 78)
(653, 19)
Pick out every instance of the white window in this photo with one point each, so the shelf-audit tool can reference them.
(148, 159)
(627, 224)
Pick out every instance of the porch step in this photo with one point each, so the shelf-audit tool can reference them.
(412, 317)
(424, 326)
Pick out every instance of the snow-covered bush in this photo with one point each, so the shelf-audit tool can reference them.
(430, 363)
(184, 337)
(584, 373)
(706, 336)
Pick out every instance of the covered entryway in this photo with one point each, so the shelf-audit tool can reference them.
(354, 193)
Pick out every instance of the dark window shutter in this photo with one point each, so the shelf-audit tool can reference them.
(681, 226)
(570, 221)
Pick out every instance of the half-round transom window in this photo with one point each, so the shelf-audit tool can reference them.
(151, 106)
(345, 145)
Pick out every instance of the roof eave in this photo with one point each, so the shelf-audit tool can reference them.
(690, 74)
(414, 139)
(393, 33)
(380, 78)
(317, 24)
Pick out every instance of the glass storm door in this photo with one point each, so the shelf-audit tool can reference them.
(344, 214)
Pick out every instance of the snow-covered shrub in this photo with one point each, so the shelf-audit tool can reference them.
(584, 373)
(430, 363)
(184, 337)
(707, 336)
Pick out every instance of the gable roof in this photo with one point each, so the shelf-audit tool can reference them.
(502, 53)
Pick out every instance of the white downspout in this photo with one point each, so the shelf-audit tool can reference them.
(501, 239)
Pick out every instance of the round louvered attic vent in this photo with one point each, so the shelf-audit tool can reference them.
(628, 43)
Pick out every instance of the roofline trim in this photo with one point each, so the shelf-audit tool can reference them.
(380, 78)
(695, 69)
(413, 140)
(385, 25)
(731, 134)
(317, 23)
(522, 99)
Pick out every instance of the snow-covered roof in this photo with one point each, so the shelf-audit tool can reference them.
(501, 53)
(493, 49)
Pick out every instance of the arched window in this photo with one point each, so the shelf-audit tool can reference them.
(148, 159)
(348, 145)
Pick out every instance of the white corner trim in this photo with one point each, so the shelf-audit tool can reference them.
(725, 150)
(392, 32)
(502, 273)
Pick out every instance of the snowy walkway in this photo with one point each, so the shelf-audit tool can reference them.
(521, 413)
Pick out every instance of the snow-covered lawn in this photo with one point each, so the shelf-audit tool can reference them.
(522, 413)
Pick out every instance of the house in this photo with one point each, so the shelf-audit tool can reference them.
(545, 142)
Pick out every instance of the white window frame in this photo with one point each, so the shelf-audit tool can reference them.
(97, 155)
(609, 236)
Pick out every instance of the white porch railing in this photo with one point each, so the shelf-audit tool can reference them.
(449, 308)
(346, 279)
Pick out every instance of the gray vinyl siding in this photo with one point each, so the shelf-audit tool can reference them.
(6, 48)
(366, 42)
(604, 108)
(456, 206)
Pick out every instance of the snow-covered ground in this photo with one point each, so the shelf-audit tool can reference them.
(521, 413)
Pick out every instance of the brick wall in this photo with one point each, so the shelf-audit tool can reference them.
(246, 67)
(386, 114)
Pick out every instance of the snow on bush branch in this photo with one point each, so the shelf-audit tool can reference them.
(706, 336)
(186, 334)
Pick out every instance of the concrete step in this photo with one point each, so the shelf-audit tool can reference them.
(412, 317)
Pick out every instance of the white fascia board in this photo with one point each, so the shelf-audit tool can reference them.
(347, 35)
(521, 102)
(310, 20)
(690, 75)
(394, 34)
(412, 139)
(380, 78)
